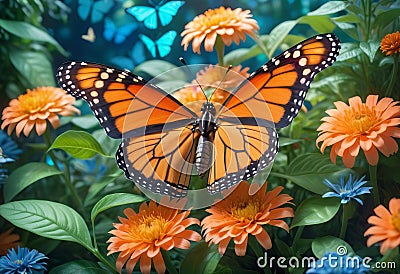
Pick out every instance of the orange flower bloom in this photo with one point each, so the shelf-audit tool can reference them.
(391, 43)
(230, 25)
(240, 214)
(142, 236)
(35, 108)
(386, 226)
(369, 126)
(189, 94)
(8, 240)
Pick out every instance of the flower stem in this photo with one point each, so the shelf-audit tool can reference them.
(168, 263)
(103, 260)
(66, 175)
(374, 181)
(258, 251)
(394, 75)
(219, 47)
(297, 236)
(345, 220)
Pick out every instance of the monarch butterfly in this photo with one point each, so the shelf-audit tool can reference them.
(232, 141)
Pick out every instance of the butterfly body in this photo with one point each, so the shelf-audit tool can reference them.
(164, 141)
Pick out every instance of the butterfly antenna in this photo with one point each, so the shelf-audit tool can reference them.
(223, 79)
(194, 76)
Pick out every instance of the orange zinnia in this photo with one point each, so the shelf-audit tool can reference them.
(142, 236)
(386, 226)
(241, 214)
(369, 126)
(8, 240)
(391, 43)
(35, 108)
(230, 25)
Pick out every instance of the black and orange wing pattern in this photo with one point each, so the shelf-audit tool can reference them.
(246, 140)
(150, 121)
(284, 81)
(112, 95)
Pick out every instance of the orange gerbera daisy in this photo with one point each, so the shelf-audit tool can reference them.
(35, 108)
(369, 126)
(230, 25)
(142, 236)
(386, 226)
(8, 240)
(241, 214)
(390, 44)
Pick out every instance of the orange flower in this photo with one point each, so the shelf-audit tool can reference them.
(230, 25)
(8, 240)
(240, 214)
(142, 236)
(189, 94)
(369, 126)
(35, 108)
(391, 43)
(386, 226)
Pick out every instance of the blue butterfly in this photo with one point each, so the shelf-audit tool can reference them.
(136, 56)
(162, 44)
(148, 15)
(96, 9)
(117, 34)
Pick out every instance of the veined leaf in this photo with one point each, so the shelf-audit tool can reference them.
(315, 210)
(79, 144)
(201, 259)
(370, 49)
(24, 176)
(330, 244)
(48, 219)
(330, 7)
(79, 267)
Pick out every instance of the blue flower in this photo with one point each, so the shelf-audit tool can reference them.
(349, 190)
(9, 149)
(333, 263)
(24, 261)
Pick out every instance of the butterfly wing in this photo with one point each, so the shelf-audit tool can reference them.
(84, 8)
(100, 8)
(150, 44)
(284, 81)
(165, 42)
(246, 141)
(161, 162)
(123, 32)
(144, 14)
(167, 11)
(109, 29)
(110, 92)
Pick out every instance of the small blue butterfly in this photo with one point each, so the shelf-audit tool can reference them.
(148, 15)
(96, 9)
(117, 34)
(136, 56)
(162, 44)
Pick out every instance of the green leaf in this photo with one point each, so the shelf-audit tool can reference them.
(201, 259)
(370, 49)
(320, 23)
(115, 199)
(156, 68)
(95, 188)
(278, 34)
(349, 51)
(24, 176)
(315, 210)
(79, 144)
(330, 244)
(330, 7)
(284, 141)
(78, 267)
(34, 66)
(86, 122)
(48, 219)
(385, 18)
(309, 171)
(28, 31)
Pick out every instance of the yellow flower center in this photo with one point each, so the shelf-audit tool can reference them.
(18, 262)
(151, 227)
(218, 17)
(361, 121)
(396, 221)
(34, 101)
(246, 210)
